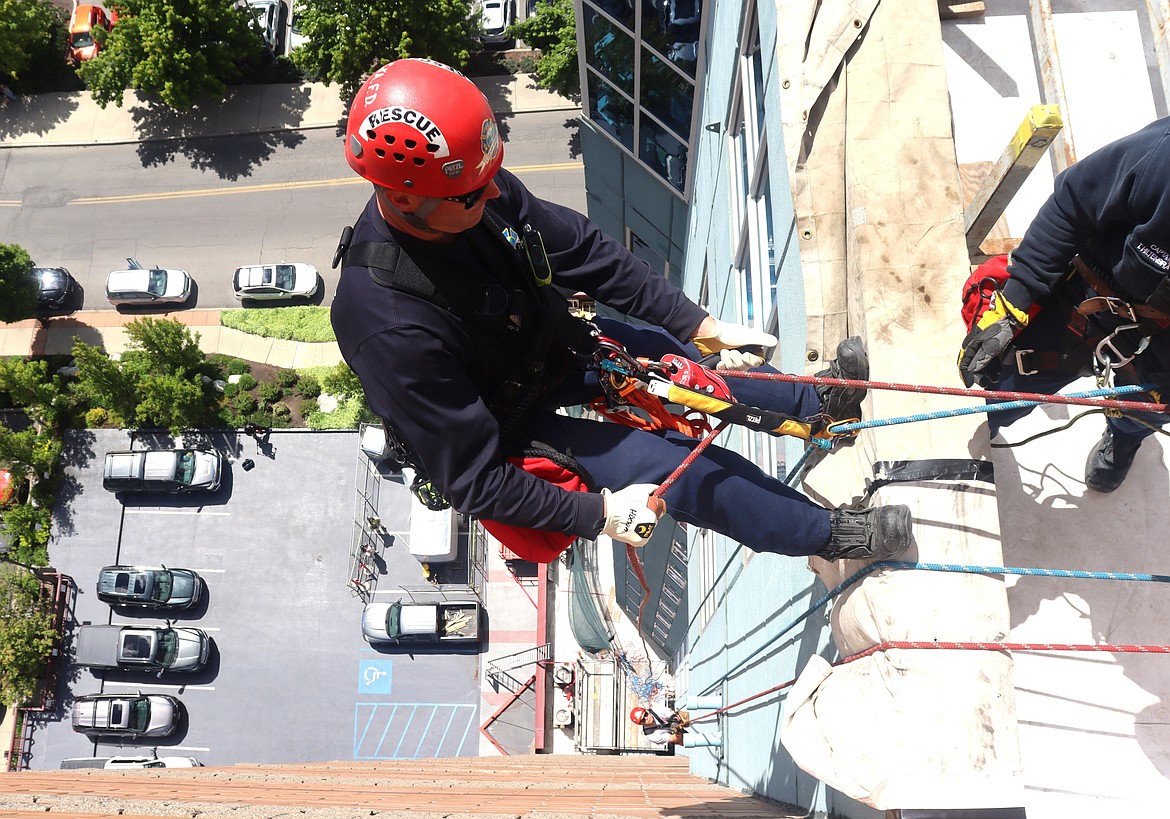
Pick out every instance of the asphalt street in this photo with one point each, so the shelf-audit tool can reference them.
(210, 205)
(290, 678)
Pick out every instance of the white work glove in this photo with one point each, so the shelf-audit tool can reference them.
(631, 514)
(727, 339)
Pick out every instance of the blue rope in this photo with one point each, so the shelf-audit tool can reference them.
(932, 567)
(1003, 406)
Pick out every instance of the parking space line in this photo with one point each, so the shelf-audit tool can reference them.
(184, 688)
(208, 571)
(188, 748)
(137, 510)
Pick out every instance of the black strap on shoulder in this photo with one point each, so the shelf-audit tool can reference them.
(390, 266)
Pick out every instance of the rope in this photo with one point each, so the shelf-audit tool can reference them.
(931, 567)
(1080, 399)
(1109, 648)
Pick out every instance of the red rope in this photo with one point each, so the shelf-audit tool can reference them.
(959, 646)
(997, 395)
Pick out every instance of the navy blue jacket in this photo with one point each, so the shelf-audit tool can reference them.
(431, 374)
(1114, 207)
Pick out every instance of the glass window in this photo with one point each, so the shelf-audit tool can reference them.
(610, 51)
(168, 647)
(620, 10)
(157, 283)
(185, 466)
(664, 153)
(672, 28)
(162, 587)
(667, 95)
(286, 278)
(139, 714)
(612, 111)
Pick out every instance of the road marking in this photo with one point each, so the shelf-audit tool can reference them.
(187, 748)
(183, 688)
(137, 510)
(273, 186)
(208, 571)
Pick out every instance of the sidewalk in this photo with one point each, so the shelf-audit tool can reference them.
(75, 119)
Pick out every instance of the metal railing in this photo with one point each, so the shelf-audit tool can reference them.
(497, 669)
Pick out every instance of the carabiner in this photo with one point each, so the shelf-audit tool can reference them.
(1106, 348)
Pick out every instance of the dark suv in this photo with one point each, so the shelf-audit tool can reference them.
(149, 587)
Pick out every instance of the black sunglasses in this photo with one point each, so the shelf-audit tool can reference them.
(469, 200)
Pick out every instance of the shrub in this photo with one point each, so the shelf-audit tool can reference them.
(342, 381)
(308, 386)
(308, 407)
(270, 393)
(282, 411)
(237, 366)
(230, 390)
(287, 378)
(296, 323)
(96, 418)
(244, 403)
(247, 382)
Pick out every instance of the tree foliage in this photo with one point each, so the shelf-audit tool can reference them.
(348, 39)
(26, 634)
(28, 452)
(18, 292)
(26, 27)
(158, 382)
(32, 389)
(185, 51)
(553, 29)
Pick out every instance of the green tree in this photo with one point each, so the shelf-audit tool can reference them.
(18, 293)
(185, 51)
(29, 452)
(157, 382)
(553, 29)
(26, 27)
(348, 39)
(26, 634)
(33, 389)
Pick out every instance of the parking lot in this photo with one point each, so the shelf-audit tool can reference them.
(290, 678)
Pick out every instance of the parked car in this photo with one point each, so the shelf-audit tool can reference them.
(128, 715)
(275, 282)
(141, 648)
(55, 291)
(269, 15)
(115, 763)
(82, 45)
(138, 286)
(149, 587)
(163, 470)
(497, 16)
(448, 621)
(296, 37)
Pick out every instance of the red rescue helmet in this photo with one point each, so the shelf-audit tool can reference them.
(421, 127)
(636, 714)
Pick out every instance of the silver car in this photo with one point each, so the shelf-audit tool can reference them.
(139, 286)
(129, 715)
(163, 470)
(275, 282)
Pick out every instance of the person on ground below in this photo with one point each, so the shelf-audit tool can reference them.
(1088, 286)
(442, 312)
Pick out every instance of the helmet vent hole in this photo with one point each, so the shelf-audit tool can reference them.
(411, 144)
(380, 153)
(371, 135)
(419, 161)
(432, 148)
(400, 157)
(389, 139)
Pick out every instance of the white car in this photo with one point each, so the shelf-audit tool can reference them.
(497, 16)
(122, 762)
(275, 282)
(137, 285)
(268, 15)
(296, 37)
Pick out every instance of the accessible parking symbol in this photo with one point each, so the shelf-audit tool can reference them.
(374, 676)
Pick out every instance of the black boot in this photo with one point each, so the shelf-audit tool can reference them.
(852, 362)
(879, 532)
(1110, 460)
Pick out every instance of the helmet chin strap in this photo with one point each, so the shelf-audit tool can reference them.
(418, 219)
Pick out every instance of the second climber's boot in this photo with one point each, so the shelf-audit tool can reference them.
(852, 363)
(880, 532)
(1110, 460)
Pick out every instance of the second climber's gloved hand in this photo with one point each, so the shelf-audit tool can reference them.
(988, 340)
(631, 513)
(730, 341)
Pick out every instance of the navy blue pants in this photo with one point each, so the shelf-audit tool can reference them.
(721, 490)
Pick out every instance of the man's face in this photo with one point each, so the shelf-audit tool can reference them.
(647, 718)
(446, 217)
